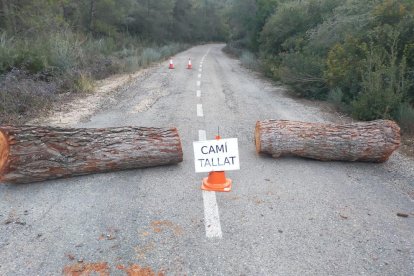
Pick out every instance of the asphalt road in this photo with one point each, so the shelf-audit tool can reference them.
(285, 216)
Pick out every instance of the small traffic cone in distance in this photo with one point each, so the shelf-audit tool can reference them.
(171, 64)
(190, 66)
(217, 181)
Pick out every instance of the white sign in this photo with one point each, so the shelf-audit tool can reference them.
(216, 155)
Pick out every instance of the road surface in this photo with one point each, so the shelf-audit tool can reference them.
(287, 216)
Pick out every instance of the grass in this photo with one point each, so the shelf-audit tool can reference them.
(406, 118)
(84, 83)
(249, 60)
(23, 97)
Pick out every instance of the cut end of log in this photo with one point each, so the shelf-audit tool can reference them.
(257, 136)
(4, 152)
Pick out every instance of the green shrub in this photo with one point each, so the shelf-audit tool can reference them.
(344, 67)
(171, 49)
(382, 92)
(83, 83)
(304, 72)
(249, 60)
(375, 103)
(31, 58)
(149, 55)
(131, 63)
(65, 51)
(335, 96)
(105, 46)
(385, 82)
(234, 48)
(405, 117)
(7, 52)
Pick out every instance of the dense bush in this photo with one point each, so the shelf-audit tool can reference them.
(357, 54)
(304, 73)
(286, 34)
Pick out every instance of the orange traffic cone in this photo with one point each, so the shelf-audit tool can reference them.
(190, 66)
(217, 181)
(171, 64)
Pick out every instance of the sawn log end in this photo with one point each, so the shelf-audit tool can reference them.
(4, 152)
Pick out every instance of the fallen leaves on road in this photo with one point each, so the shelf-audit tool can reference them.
(136, 270)
(142, 251)
(101, 269)
(162, 225)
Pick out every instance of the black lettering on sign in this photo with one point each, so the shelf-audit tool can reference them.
(202, 150)
(217, 161)
(214, 149)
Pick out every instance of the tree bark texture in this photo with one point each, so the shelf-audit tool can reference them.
(365, 141)
(31, 154)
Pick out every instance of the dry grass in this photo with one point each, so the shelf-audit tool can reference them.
(407, 145)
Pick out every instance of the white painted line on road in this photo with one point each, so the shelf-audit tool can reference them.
(211, 215)
(200, 70)
(200, 110)
(202, 136)
(211, 212)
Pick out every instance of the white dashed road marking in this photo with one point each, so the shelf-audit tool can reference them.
(200, 110)
(202, 136)
(211, 212)
(211, 215)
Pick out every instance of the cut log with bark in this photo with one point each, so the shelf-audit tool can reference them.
(371, 141)
(31, 154)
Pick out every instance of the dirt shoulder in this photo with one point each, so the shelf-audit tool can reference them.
(78, 109)
(407, 146)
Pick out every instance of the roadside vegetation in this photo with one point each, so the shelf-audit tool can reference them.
(53, 49)
(358, 55)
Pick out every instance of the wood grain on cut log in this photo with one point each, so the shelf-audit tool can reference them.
(31, 154)
(365, 141)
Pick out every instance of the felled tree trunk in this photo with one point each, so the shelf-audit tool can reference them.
(366, 141)
(31, 154)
